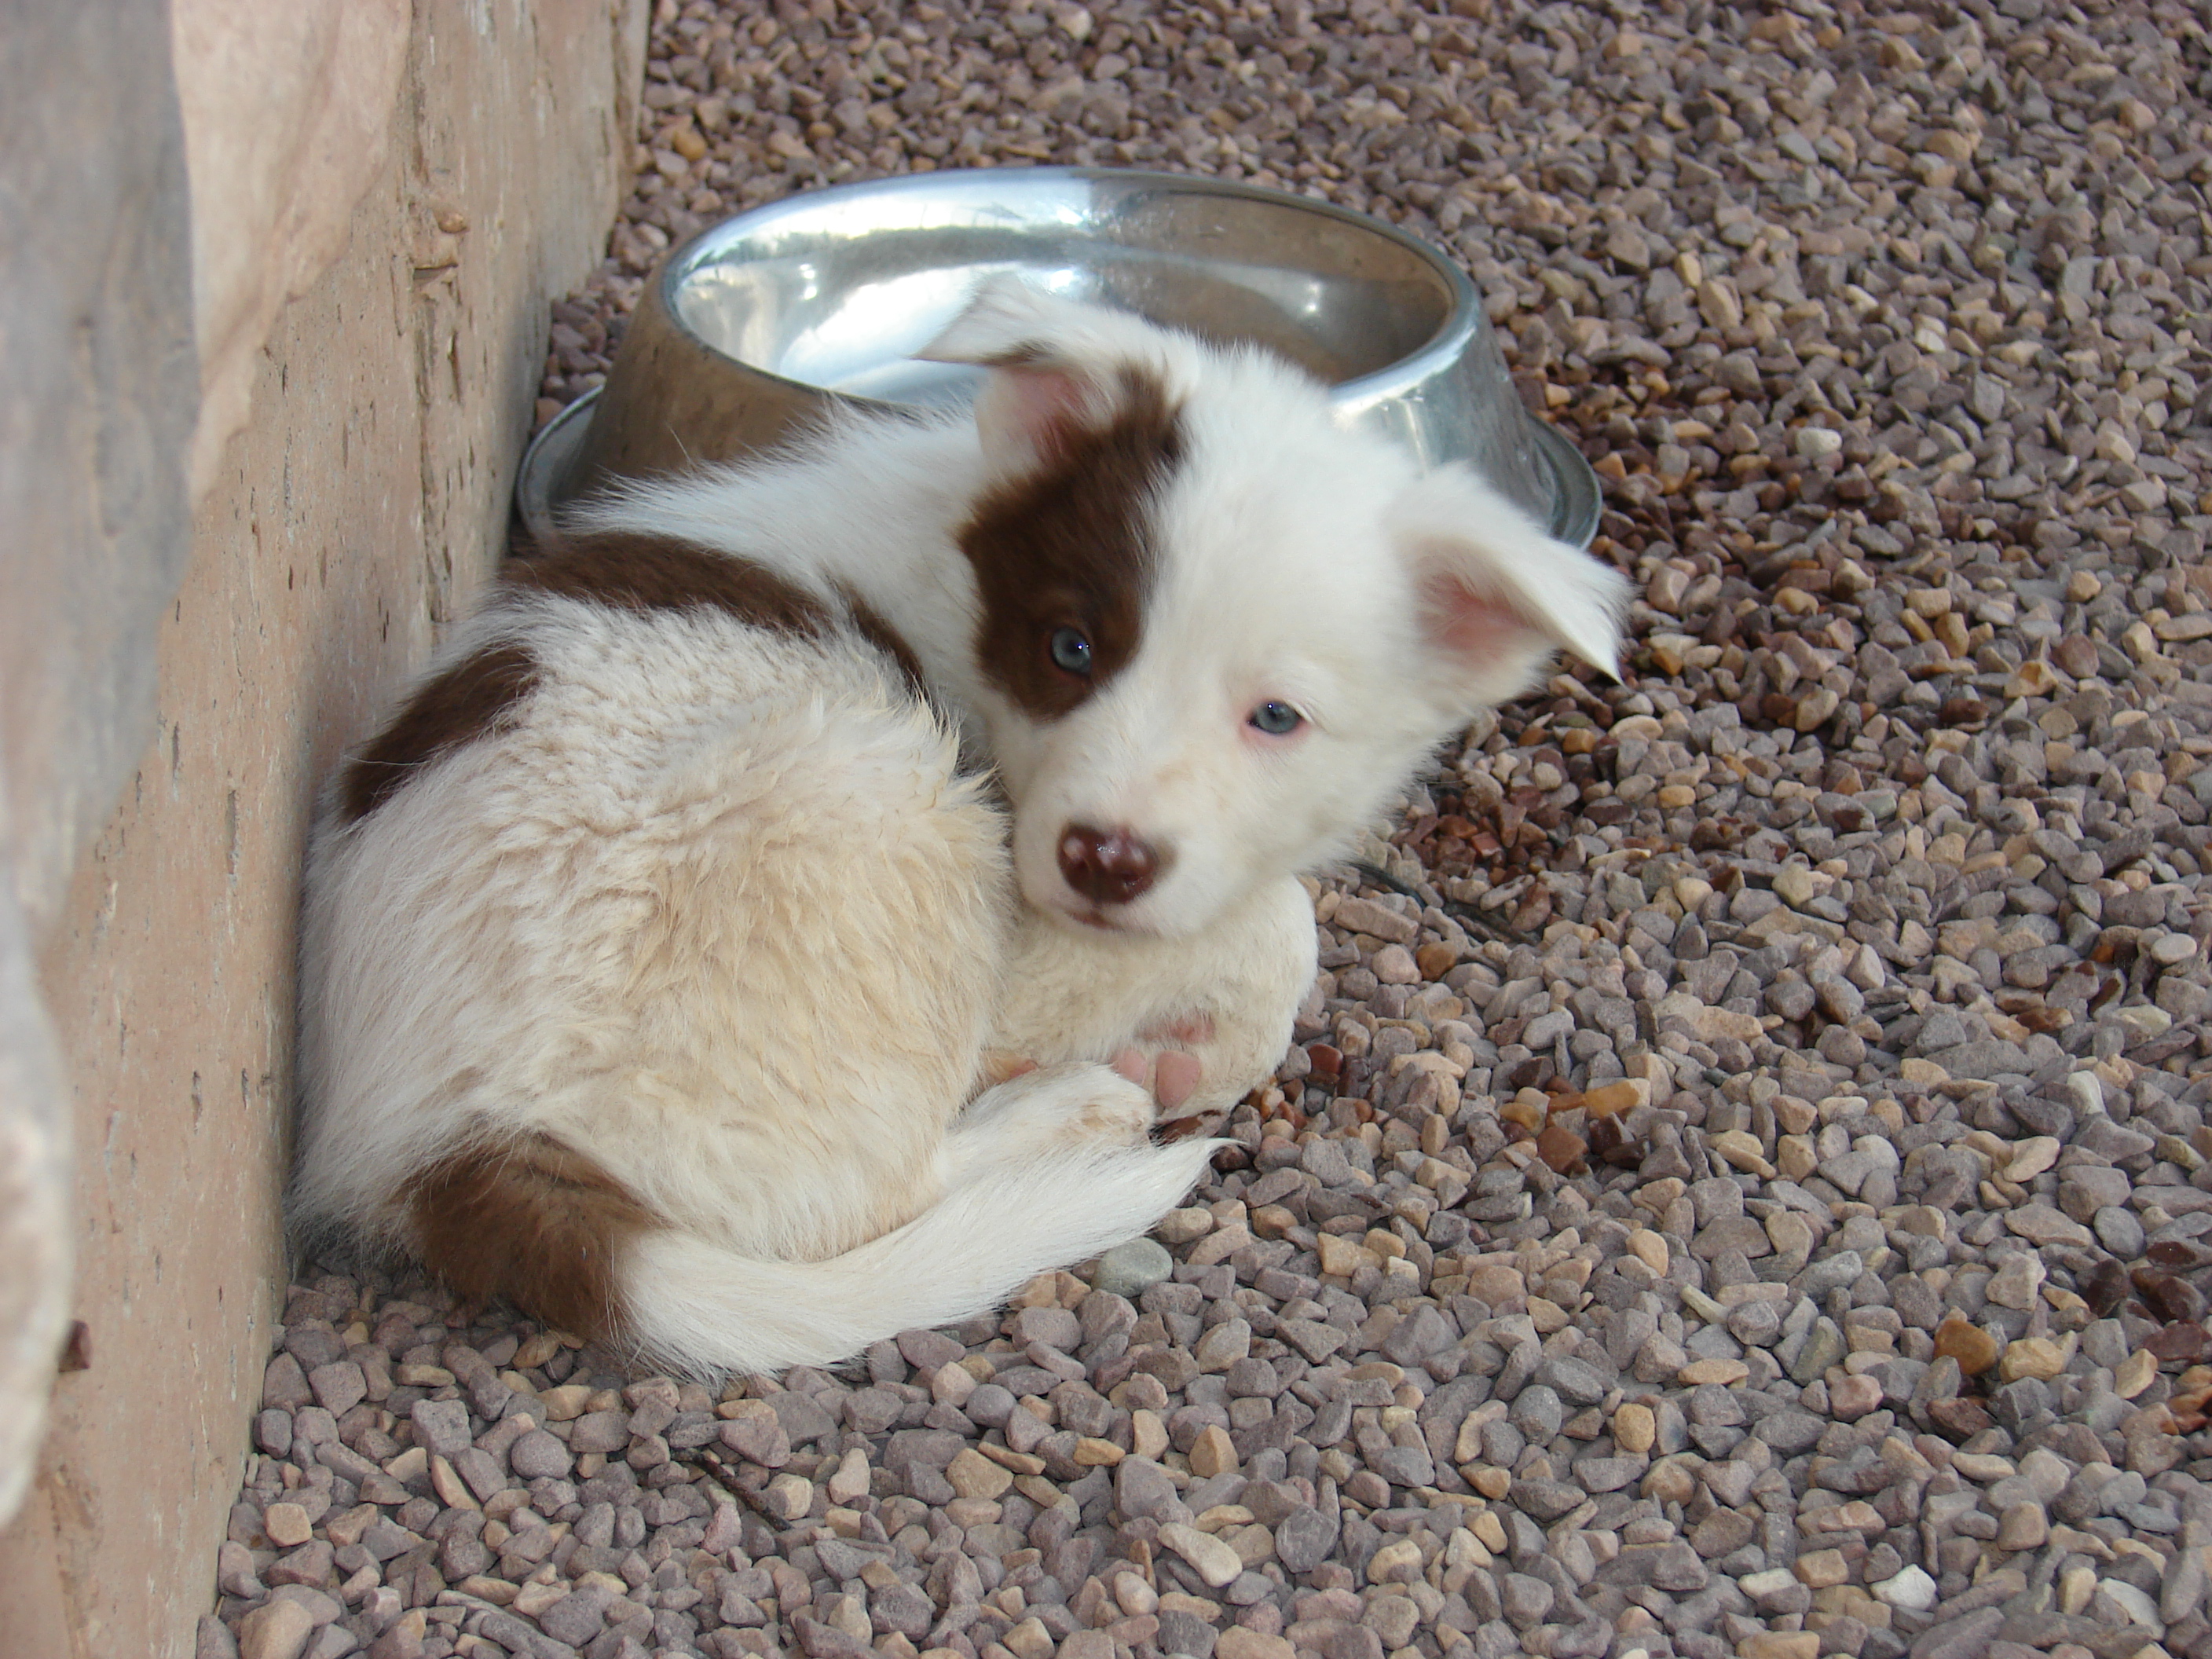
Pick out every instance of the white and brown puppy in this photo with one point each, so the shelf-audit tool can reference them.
(657, 952)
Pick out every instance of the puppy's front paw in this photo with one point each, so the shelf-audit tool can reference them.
(1054, 1106)
(1172, 1074)
(1175, 1061)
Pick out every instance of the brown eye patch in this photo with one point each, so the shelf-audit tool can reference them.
(1069, 547)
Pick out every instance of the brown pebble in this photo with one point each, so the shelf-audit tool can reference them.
(2032, 1356)
(2186, 1344)
(279, 1630)
(1608, 1142)
(2023, 1527)
(1974, 1348)
(1822, 1569)
(2105, 1286)
(2134, 1373)
(287, 1525)
(1726, 1372)
(1959, 1420)
(1212, 1454)
(2075, 654)
(1670, 1482)
(2170, 1298)
(1621, 1095)
(1527, 1114)
(1436, 960)
(1561, 1148)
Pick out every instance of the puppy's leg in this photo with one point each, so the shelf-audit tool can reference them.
(1224, 999)
(1053, 1108)
(1166, 1067)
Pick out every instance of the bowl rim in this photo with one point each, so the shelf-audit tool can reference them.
(1464, 316)
(1577, 497)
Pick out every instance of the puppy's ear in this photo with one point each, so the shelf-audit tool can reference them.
(1496, 593)
(1059, 370)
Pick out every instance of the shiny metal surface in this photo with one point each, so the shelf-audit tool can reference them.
(752, 326)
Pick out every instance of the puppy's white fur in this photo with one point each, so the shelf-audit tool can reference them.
(715, 910)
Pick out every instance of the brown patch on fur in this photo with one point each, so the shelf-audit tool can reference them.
(1067, 547)
(472, 699)
(634, 572)
(868, 623)
(534, 1221)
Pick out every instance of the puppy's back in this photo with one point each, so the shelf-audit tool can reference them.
(642, 874)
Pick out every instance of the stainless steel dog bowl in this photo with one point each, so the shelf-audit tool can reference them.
(755, 325)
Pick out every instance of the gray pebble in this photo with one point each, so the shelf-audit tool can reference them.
(1128, 1269)
(1526, 1599)
(338, 1386)
(1303, 1539)
(539, 1455)
(272, 1432)
(1142, 1488)
(756, 1438)
(2120, 1232)
(441, 1426)
(804, 1419)
(576, 1618)
(1575, 1383)
(284, 1384)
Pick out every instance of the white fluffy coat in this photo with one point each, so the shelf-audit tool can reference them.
(716, 908)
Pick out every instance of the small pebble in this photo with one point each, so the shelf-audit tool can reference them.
(287, 1525)
(1974, 1348)
(1910, 1590)
(277, 1631)
(1128, 1269)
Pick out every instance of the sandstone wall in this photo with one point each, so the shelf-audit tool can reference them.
(222, 561)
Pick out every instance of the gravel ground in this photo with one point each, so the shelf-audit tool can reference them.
(1743, 1183)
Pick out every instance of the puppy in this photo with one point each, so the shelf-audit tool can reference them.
(662, 956)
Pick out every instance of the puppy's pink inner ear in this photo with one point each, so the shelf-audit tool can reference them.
(1038, 408)
(1472, 626)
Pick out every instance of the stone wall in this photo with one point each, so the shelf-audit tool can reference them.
(95, 415)
(234, 555)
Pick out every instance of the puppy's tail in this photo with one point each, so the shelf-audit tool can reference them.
(703, 1310)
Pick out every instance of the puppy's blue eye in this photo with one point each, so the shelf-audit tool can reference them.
(1071, 651)
(1277, 718)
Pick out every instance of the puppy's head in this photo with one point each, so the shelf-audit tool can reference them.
(1219, 632)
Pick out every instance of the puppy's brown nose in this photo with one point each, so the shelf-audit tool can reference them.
(1107, 867)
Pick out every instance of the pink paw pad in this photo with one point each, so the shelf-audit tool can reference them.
(1172, 1076)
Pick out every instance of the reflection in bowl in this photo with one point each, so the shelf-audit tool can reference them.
(757, 324)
